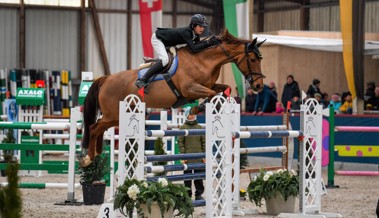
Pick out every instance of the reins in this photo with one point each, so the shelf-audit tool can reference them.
(250, 76)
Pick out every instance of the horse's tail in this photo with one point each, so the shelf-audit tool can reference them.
(91, 105)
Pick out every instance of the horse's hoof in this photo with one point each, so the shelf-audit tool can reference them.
(85, 161)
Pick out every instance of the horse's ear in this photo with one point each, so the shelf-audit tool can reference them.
(260, 43)
(254, 41)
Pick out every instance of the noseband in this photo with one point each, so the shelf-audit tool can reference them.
(250, 76)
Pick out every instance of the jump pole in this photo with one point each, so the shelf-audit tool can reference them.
(330, 183)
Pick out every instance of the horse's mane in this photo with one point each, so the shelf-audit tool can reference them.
(229, 38)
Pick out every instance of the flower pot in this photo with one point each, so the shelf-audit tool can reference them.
(276, 205)
(155, 211)
(93, 193)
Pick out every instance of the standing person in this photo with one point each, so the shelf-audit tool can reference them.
(237, 97)
(290, 90)
(250, 100)
(166, 37)
(192, 144)
(314, 88)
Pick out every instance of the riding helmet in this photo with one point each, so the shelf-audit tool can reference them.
(198, 19)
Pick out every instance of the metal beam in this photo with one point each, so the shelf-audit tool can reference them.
(100, 40)
(200, 3)
(261, 15)
(174, 13)
(304, 15)
(129, 36)
(82, 36)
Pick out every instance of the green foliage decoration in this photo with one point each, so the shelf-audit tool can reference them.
(134, 192)
(266, 185)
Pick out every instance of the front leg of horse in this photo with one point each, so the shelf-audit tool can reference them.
(217, 88)
(220, 87)
(197, 91)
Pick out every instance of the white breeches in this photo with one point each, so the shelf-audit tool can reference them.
(160, 48)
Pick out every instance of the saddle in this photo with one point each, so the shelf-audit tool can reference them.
(148, 61)
(166, 74)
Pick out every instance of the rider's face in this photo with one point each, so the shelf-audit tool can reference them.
(198, 30)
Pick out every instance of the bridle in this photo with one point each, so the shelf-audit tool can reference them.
(250, 76)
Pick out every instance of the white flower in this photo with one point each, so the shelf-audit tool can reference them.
(133, 192)
(293, 172)
(265, 178)
(255, 177)
(144, 184)
(163, 181)
(270, 173)
(280, 171)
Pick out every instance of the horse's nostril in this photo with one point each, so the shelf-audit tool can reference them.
(258, 86)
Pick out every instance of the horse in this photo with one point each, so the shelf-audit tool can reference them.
(195, 78)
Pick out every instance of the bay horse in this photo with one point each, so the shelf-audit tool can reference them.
(195, 78)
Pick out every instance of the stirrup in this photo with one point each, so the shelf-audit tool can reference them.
(139, 83)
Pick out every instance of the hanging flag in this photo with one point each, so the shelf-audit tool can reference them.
(352, 29)
(150, 19)
(236, 13)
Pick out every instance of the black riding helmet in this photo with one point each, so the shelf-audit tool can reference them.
(198, 19)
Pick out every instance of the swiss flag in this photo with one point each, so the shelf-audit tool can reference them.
(150, 19)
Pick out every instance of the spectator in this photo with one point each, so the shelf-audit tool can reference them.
(336, 103)
(266, 101)
(347, 106)
(192, 144)
(279, 108)
(237, 97)
(343, 97)
(250, 100)
(318, 98)
(290, 90)
(314, 88)
(295, 103)
(325, 99)
(272, 87)
(374, 101)
(370, 91)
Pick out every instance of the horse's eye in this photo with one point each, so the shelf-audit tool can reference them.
(252, 59)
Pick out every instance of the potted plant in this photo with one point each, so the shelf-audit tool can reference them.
(9, 138)
(153, 199)
(279, 189)
(92, 180)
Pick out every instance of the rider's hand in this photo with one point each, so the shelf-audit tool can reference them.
(214, 41)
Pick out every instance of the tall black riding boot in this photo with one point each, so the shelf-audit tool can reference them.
(155, 68)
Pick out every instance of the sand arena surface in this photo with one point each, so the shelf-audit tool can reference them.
(357, 197)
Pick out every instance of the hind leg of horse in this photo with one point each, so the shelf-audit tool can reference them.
(97, 132)
(102, 127)
(87, 160)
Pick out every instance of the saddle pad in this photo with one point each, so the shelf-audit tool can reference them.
(171, 71)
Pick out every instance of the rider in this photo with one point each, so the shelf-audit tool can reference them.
(166, 37)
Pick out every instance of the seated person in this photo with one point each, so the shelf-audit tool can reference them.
(295, 103)
(279, 108)
(336, 103)
(374, 101)
(347, 106)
